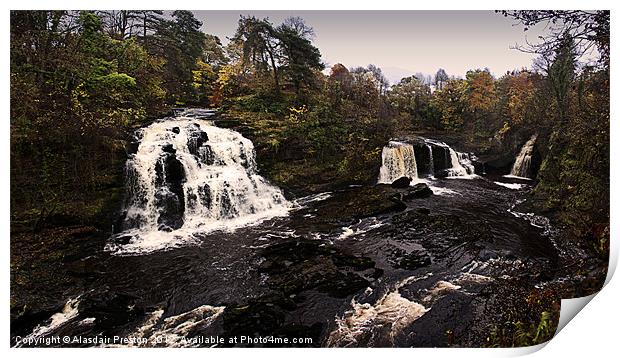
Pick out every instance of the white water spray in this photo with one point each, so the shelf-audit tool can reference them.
(190, 177)
(523, 162)
(398, 160)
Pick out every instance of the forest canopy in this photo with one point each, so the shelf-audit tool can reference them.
(81, 81)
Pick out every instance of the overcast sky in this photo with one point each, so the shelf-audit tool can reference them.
(402, 42)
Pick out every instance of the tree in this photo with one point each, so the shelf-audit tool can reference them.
(586, 28)
(411, 96)
(213, 53)
(284, 50)
(148, 22)
(517, 92)
(260, 46)
(297, 25)
(180, 43)
(376, 73)
(441, 77)
(480, 91)
(561, 74)
(299, 57)
(450, 102)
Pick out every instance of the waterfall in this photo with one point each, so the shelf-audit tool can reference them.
(523, 162)
(410, 159)
(398, 160)
(431, 168)
(461, 164)
(457, 169)
(188, 177)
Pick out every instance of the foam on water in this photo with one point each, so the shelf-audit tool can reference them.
(513, 186)
(68, 313)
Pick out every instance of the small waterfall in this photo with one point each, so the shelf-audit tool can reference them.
(188, 176)
(423, 157)
(461, 164)
(431, 167)
(398, 160)
(523, 162)
(457, 169)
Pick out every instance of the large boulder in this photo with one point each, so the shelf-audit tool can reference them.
(402, 182)
(171, 208)
(346, 206)
(418, 191)
(170, 197)
(196, 138)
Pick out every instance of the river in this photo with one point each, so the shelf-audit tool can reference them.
(209, 250)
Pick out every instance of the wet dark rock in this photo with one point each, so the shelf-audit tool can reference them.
(195, 140)
(479, 167)
(451, 315)
(168, 148)
(461, 319)
(343, 285)
(255, 319)
(402, 182)
(227, 209)
(171, 208)
(170, 196)
(418, 191)
(266, 317)
(423, 211)
(244, 160)
(438, 233)
(444, 173)
(352, 204)
(228, 123)
(423, 157)
(377, 273)
(204, 194)
(176, 130)
(206, 155)
(87, 267)
(357, 263)
(413, 260)
(498, 164)
(297, 266)
(123, 240)
(166, 228)
(117, 226)
(110, 309)
(132, 147)
(45, 278)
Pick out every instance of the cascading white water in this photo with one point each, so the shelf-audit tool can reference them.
(190, 177)
(457, 169)
(398, 160)
(431, 164)
(461, 164)
(466, 161)
(523, 162)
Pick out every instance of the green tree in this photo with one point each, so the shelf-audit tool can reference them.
(451, 103)
(260, 46)
(411, 96)
(561, 74)
(180, 43)
(299, 57)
